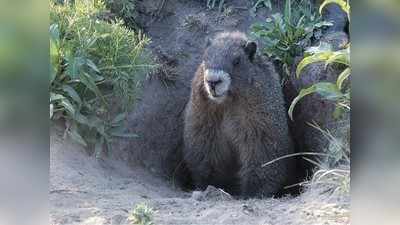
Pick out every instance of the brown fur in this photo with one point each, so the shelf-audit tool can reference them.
(226, 144)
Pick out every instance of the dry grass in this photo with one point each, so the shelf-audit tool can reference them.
(332, 169)
(333, 173)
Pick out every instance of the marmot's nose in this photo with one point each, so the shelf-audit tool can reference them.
(213, 83)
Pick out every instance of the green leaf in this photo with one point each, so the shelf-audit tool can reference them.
(300, 22)
(221, 4)
(342, 3)
(94, 121)
(72, 93)
(54, 51)
(91, 42)
(74, 66)
(97, 78)
(108, 144)
(260, 3)
(267, 4)
(53, 73)
(341, 56)
(54, 32)
(89, 82)
(92, 65)
(100, 128)
(76, 137)
(125, 135)
(118, 118)
(257, 27)
(326, 89)
(323, 24)
(120, 132)
(288, 11)
(323, 54)
(68, 106)
(342, 77)
(303, 93)
(279, 25)
(323, 47)
(51, 110)
(81, 119)
(104, 36)
(319, 57)
(338, 112)
(55, 97)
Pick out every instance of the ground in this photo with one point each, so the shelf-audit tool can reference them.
(84, 190)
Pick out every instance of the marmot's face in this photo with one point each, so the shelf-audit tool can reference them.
(225, 61)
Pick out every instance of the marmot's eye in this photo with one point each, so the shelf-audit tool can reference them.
(236, 61)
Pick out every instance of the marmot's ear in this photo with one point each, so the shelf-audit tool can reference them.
(250, 49)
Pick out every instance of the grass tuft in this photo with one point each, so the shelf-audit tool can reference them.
(286, 35)
(142, 214)
(95, 72)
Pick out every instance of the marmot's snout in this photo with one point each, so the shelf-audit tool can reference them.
(216, 83)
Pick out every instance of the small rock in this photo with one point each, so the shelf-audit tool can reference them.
(211, 193)
(247, 209)
(197, 195)
(126, 182)
(144, 196)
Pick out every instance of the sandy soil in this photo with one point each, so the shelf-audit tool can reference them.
(84, 190)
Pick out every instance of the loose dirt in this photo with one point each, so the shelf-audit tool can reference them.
(84, 190)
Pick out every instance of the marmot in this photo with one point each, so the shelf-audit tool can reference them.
(236, 120)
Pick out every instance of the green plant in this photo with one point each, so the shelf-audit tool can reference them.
(212, 3)
(141, 214)
(260, 4)
(95, 72)
(286, 35)
(332, 165)
(333, 171)
(125, 9)
(330, 91)
(344, 4)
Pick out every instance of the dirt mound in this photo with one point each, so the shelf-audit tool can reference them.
(86, 191)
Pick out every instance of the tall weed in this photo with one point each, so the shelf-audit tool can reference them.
(333, 173)
(286, 35)
(336, 92)
(95, 72)
(141, 214)
(125, 9)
